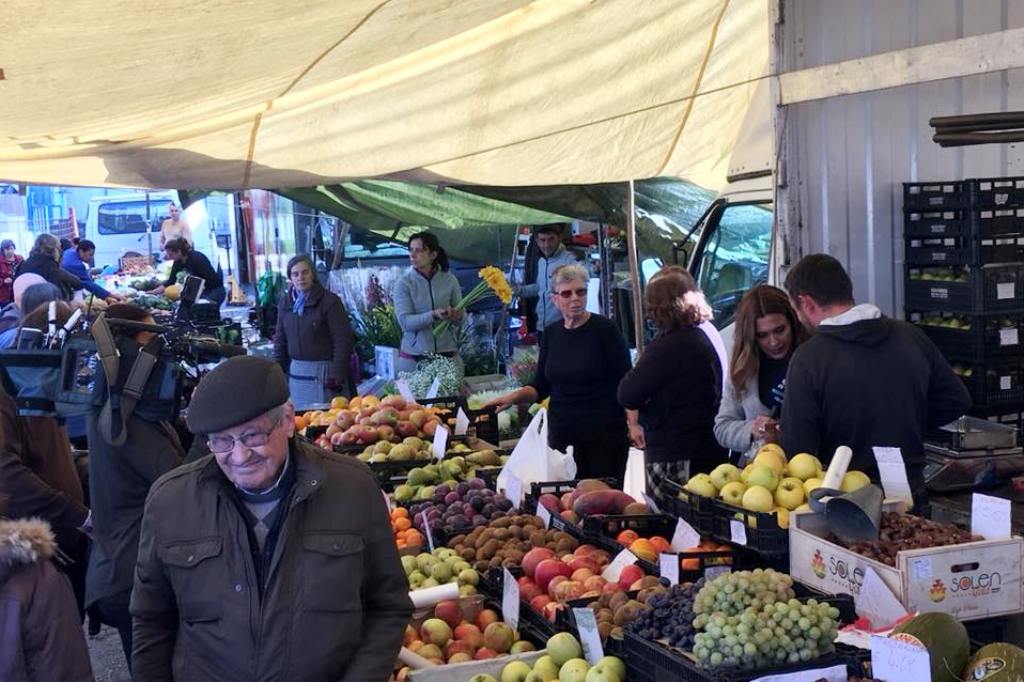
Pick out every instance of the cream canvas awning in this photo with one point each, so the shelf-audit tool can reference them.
(254, 93)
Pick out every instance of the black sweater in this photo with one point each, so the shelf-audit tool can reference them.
(677, 385)
(197, 265)
(580, 369)
(871, 383)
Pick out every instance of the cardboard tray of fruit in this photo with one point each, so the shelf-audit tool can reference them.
(693, 508)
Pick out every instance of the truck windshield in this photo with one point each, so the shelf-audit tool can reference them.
(129, 217)
(735, 258)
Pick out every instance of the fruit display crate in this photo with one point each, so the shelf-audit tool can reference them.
(963, 336)
(691, 507)
(963, 289)
(992, 382)
(491, 585)
(761, 532)
(558, 489)
(602, 531)
(1002, 192)
(936, 195)
(938, 251)
(975, 227)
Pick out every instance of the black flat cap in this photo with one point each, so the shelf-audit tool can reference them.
(237, 390)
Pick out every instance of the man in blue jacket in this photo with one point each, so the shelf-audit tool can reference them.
(76, 261)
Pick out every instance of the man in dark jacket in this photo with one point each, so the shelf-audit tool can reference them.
(271, 559)
(862, 380)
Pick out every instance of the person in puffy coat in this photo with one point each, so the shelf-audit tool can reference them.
(41, 637)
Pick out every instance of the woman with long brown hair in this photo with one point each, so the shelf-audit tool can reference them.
(767, 333)
(676, 384)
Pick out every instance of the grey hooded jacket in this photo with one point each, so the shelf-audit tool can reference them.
(416, 297)
(547, 313)
(735, 419)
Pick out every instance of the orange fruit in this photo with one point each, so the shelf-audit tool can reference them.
(692, 564)
(401, 524)
(627, 537)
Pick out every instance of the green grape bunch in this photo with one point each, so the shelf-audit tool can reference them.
(732, 593)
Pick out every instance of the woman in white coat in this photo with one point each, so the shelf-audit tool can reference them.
(767, 333)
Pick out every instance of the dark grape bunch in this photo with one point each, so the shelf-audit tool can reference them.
(669, 616)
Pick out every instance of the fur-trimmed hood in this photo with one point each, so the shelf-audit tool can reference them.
(24, 542)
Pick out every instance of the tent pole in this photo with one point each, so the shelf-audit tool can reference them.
(634, 267)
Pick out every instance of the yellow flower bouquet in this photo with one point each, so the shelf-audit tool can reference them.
(493, 284)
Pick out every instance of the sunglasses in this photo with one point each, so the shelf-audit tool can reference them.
(567, 293)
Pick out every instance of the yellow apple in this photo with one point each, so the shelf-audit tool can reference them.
(746, 472)
(770, 459)
(804, 466)
(810, 484)
(702, 485)
(764, 476)
(790, 493)
(774, 448)
(803, 507)
(853, 480)
(733, 492)
(783, 517)
(758, 499)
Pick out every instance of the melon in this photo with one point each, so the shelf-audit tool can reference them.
(996, 663)
(944, 637)
(172, 292)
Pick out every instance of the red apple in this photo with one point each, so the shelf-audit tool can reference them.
(532, 558)
(459, 658)
(611, 588)
(548, 569)
(485, 618)
(580, 575)
(458, 646)
(568, 591)
(551, 610)
(556, 581)
(584, 562)
(601, 557)
(594, 582)
(449, 612)
(585, 550)
(630, 574)
(539, 602)
(467, 632)
(483, 653)
(566, 501)
(528, 592)
(410, 635)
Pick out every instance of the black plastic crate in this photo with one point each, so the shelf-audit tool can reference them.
(991, 383)
(937, 224)
(964, 289)
(997, 222)
(963, 336)
(491, 585)
(1003, 192)
(558, 488)
(763, 534)
(691, 507)
(938, 251)
(936, 195)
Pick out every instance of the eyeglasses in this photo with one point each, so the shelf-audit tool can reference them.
(222, 444)
(567, 293)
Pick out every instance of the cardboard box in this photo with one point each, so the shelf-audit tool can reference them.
(969, 581)
(462, 672)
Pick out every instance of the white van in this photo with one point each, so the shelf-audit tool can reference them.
(129, 224)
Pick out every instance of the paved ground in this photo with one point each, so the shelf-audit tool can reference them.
(108, 664)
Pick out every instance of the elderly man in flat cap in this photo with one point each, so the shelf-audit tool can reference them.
(271, 559)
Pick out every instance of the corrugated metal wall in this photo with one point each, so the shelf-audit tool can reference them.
(849, 155)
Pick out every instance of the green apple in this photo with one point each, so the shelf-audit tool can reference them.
(804, 466)
(702, 485)
(482, 678)
(790, 493)
(603, 673)
(563, 647)
(516, 671)
(409, 564)
(853, 480)
(616, 664)
(810, 484)
(733, 492)
(573, 670)
(763, 476)
(424, 562)
(416, 579)
(723, 474)
(758, 498)
(546, 667)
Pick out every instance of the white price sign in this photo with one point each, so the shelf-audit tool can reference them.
(876, 602)
(684, 537)
(836, 673)
(668, 567)
(403, 389)
(613, 570)
(651, 504)
(738, 532)
(461, 423)
(990, 517)
(440, 446)
(893, 472)
(510, 599)
(893, 659)
(426, 531)
(435, 386)
(514, 490)
(590, 637)
(544, 515)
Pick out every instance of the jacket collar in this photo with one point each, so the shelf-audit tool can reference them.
(309, 475)
(24, 542)
(313, 296)
(558, 252)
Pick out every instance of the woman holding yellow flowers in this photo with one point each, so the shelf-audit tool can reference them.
(425, 296)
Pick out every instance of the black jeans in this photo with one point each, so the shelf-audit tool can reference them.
(113, 611)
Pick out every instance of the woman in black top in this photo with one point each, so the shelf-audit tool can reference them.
(196, 264)
(582, 359)
(676, 384)
(44, 260)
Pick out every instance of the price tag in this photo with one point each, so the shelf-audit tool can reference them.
(738, 532)
(1006, 382)
(893, 659)
(712, 572)
(836, 673)
(990, 517)
(544, 515)
(590, 637)
(435, 386)
(651, 504)
(1005, 290)
(461, 423)
(921, 568)
(685, 537)
(876, 602)
(440, 446)
(613, 570)
(514, 490)
(388, 502)
(403, 389)
(1009, 337)
(893, 473)
(427, 531)
(510, 599)
(668, 567)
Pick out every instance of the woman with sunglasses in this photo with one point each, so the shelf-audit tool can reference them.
(767, 333)
(582, 359)
(676, 384)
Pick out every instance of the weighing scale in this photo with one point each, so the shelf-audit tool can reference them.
(972, 454)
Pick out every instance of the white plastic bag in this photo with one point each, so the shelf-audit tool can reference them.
(532, 460)
(635, 484)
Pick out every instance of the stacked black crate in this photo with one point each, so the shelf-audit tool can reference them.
(964, 285)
